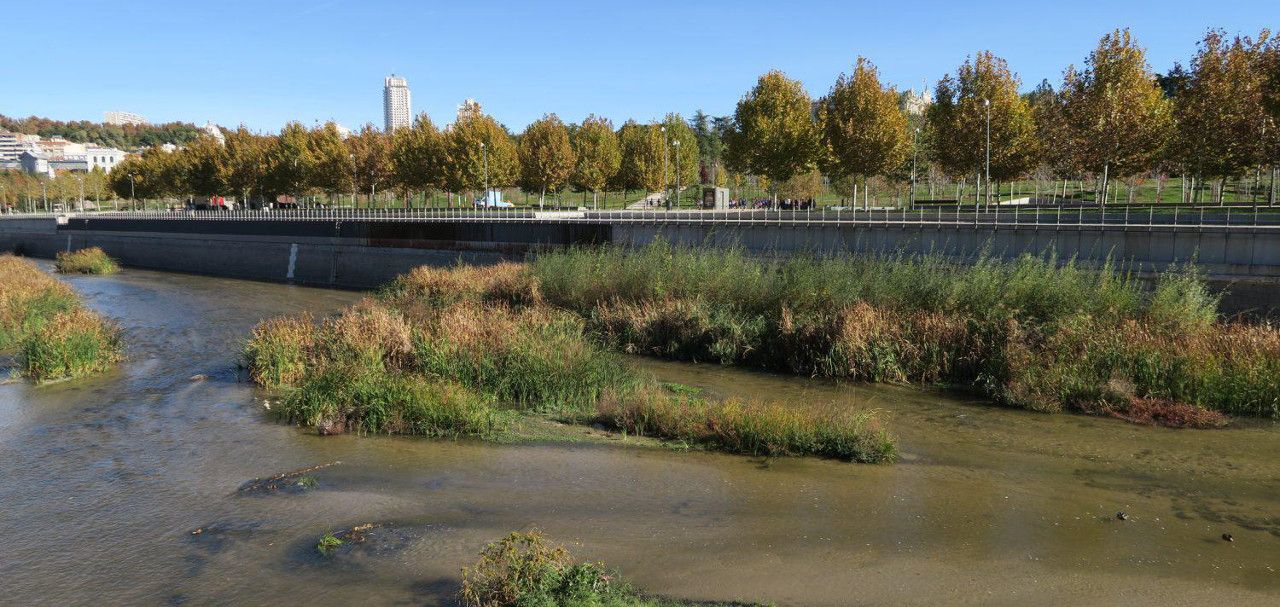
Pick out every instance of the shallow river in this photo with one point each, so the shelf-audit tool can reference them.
(102, 482)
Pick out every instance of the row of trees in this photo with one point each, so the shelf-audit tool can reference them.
(19, 190)
(474, 152)
(1112, 119)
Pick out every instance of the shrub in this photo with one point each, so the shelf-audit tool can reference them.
(72, 344)
(280, 350)
(536, 358)
(337, 399)
(92, 260)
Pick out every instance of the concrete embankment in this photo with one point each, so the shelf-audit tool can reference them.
(344, 253)
(363, 253)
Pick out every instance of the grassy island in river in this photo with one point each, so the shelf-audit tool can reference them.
(45, 324)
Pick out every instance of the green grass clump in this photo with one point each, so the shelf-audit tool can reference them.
(72, 344)
(360, 400)
(44, 322)
(92, 260)
(327, 543)
(752, 428)
(534, 359)
(280, 350)
(525, 569)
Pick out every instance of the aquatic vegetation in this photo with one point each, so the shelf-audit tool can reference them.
(752, 428)
(525, 568)
(1029, 333)
(92, 260)
(327, 543)
(339, 399)
(280, 350)
(467, 369)
(44, 321)
(71, 344)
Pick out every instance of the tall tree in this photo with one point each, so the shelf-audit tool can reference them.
(1116, 111)
(465, 158)
(641, 150)
(290, 160)
(246, 164)
(599, 155)
(1220, 115)
(332, 168)
(370, 151)
(774, 134)
(417, 156)
(1053, 136)
(197, 167)
(710, 133)
(864, 133)
(958, 121)
(547, 158)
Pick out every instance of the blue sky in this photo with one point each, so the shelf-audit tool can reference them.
(264, 63)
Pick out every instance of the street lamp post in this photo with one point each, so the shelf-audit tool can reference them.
(987, 104)
(354, 177)
(915, 153)
(131, 203)
(484, 152)
(665, 191)
(677, 144)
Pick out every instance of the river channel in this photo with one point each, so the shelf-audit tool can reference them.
(103, 481)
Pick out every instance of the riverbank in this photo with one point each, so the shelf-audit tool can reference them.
(45, 324)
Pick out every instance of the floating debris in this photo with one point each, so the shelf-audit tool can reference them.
(200, 377)
(1227, 537)
(1122, 516)
(295, 481)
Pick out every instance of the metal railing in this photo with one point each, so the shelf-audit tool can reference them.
(954, 217)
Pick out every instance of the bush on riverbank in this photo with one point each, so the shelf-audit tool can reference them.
(44, 321)
(526, 570)
(92, 260)
(453, 367)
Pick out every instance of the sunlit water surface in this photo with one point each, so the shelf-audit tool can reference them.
(103, 480)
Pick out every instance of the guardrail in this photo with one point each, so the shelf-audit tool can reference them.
(1079, 217)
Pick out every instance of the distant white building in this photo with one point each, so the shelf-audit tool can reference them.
(395, 103)
(470, 107)
(916, 103)
(35, 163)
(212, 130)
(117, 117)
(12, 145)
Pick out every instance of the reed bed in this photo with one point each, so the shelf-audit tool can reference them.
(1031, 333)
(92, 260)
(43, 321)
(420, 361)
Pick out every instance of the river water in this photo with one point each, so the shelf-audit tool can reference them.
(103, 480)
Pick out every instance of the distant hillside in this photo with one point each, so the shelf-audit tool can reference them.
(127, 137)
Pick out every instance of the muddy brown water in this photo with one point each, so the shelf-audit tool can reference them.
(103, 480)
